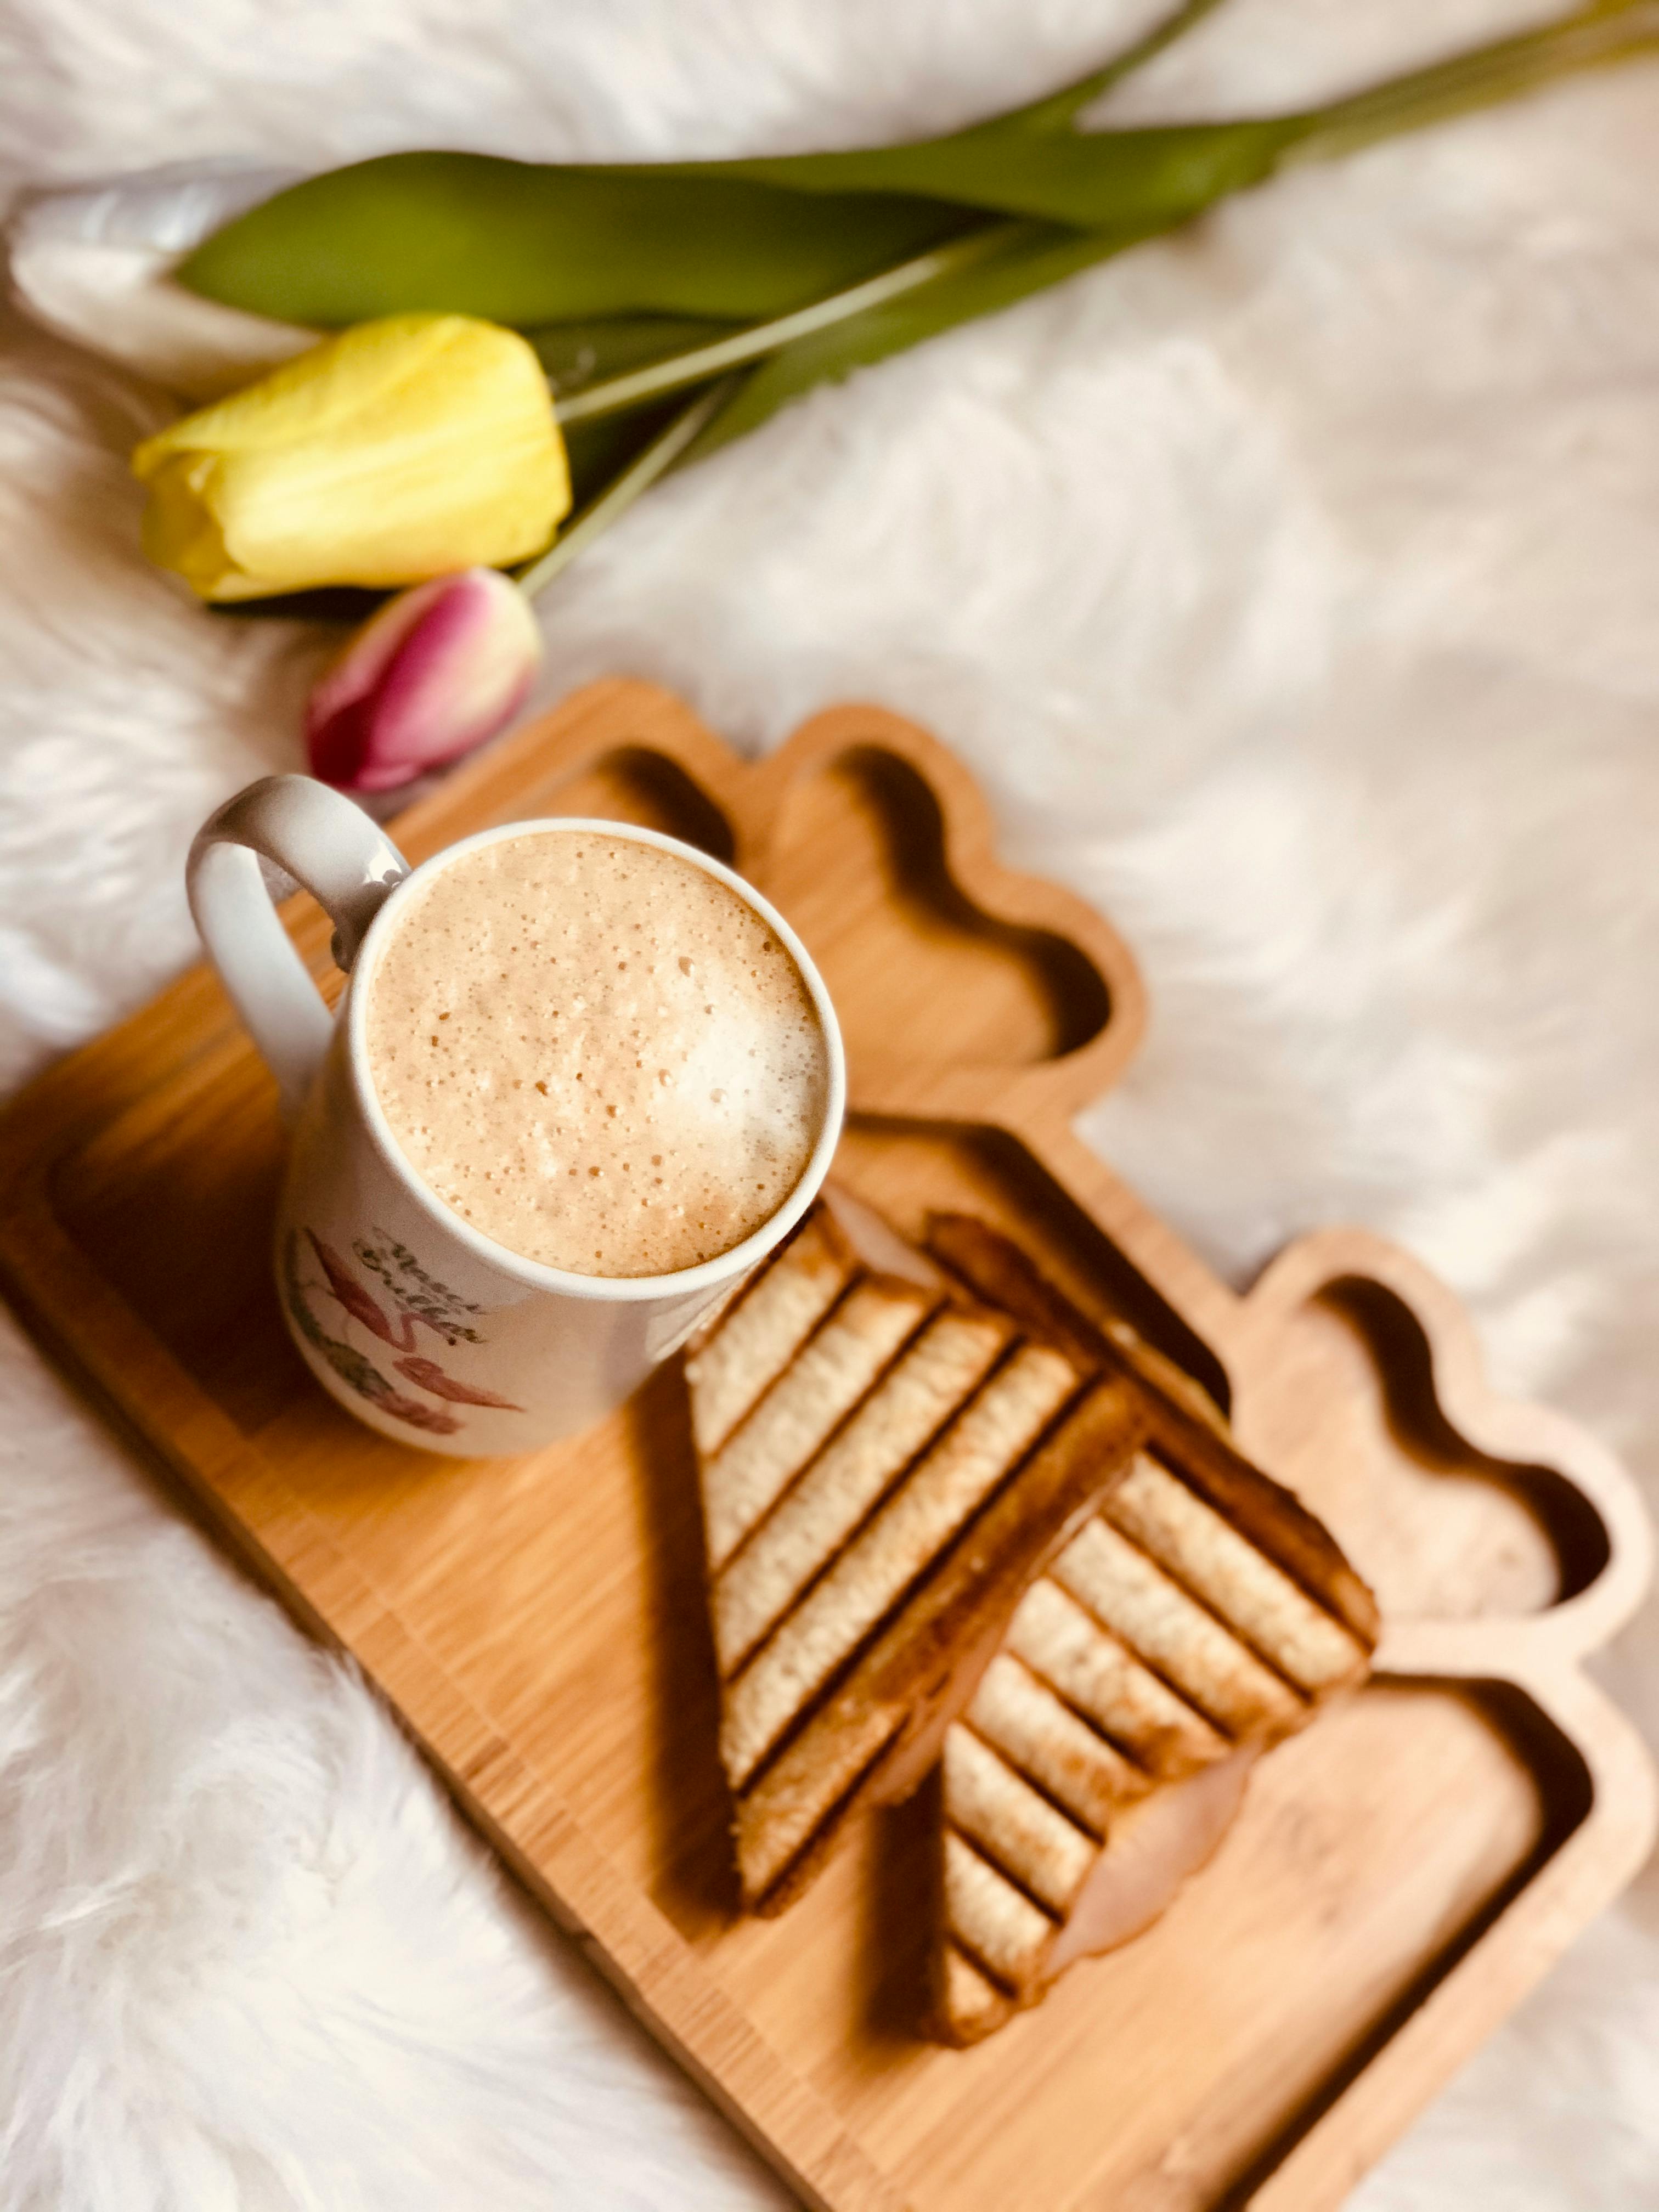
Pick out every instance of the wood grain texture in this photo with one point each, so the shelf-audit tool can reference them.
(1401, 1874)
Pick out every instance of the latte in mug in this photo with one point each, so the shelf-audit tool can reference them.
(596, 1054)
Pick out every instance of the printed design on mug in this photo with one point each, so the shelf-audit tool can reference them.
(416, 1297)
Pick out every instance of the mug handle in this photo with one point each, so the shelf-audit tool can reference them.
(346, 863)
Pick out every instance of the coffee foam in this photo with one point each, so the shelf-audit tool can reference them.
(596, 1054)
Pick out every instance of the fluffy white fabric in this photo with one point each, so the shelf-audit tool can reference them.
(1292, 587)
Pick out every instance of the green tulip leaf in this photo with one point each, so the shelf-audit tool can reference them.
(531, 244)
(525, 244)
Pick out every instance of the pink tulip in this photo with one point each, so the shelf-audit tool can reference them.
(432, 674)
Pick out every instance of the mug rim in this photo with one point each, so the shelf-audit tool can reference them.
(537, 1274)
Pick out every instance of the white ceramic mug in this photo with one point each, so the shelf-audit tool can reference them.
(415, 1321)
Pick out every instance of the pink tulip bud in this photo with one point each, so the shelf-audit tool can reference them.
(432, 674)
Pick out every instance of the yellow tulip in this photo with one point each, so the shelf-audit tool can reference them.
(399, 450)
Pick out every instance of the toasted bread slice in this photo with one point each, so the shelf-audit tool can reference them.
(1106, 1748)
(861, 1423)
(1197, 1616)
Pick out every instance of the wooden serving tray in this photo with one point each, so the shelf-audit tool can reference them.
(1403, 1872)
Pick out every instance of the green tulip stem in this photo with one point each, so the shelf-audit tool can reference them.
(619, 393)
(620, 494)
(1596, 37)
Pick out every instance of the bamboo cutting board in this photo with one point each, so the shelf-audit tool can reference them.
(1402, 1873)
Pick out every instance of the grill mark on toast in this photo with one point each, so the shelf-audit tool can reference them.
(1134, 1708)
(828, 1377)
(838, 1489)
(1262, 1606)
(1014, 1825)
(982, 1446)
(998, 1926)
(759, 1333)
(1053, 1745)
(1169, 1631)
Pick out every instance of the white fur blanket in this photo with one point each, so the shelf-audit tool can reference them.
(1293, 587)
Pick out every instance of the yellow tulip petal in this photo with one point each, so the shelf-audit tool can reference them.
(400, 450)
(327, 388)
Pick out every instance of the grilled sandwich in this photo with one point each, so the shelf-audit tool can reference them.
(950, 1521)
(1197, 1616)
(885, 1462)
